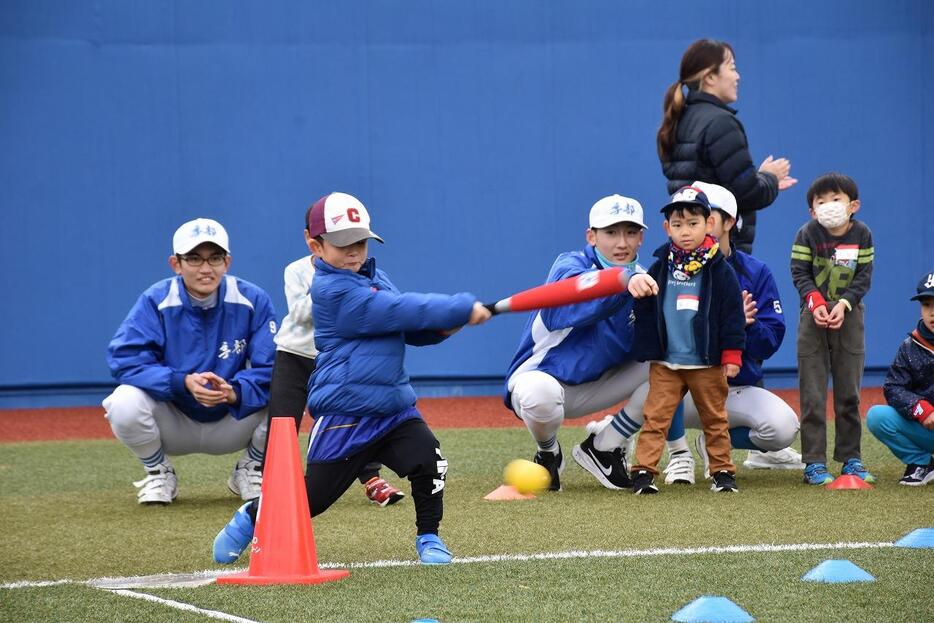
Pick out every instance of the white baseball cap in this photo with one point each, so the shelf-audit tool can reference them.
(340, 219)
(616, 209)
(718, 197)
(199, 231)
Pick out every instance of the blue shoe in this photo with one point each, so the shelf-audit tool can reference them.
(854, 467)
(234, 537)
(432, 550)
(817, 474)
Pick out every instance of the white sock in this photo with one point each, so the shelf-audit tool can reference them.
(549, 445)
(616, 434)
(677, 446)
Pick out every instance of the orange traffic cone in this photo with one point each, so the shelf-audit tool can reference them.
(283, 548)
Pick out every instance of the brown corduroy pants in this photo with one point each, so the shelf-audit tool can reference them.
(666, 389)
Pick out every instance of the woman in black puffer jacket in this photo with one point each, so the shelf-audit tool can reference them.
(702, 140)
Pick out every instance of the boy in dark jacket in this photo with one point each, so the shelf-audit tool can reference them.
(692, 328)
(360, 396)
(906, 424)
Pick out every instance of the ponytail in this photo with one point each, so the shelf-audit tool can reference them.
(701, 57)
(672, 107)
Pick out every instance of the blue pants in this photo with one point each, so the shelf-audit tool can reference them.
(907, 439)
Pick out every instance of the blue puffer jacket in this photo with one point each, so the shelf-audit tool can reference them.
(911, 376)
(362, 324)
(164, 338)
(718, 326)
(575, 343)
(765, 335)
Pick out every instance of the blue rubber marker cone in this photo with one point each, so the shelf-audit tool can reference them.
(283, 549)
(921, 538)
(712, 609)
(837, 572)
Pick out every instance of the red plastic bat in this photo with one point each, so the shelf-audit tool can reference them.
(584, 287)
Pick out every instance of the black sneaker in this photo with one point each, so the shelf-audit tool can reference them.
(918, 475)
(643, 483)
(554, 463)
(724, 482)
(608, 467)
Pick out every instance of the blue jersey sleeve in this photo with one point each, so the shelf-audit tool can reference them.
(252, 382)
(580, 314)
(765, 335)
(135, 353)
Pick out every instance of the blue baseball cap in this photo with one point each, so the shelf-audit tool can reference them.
(688, 195)
(925, 287)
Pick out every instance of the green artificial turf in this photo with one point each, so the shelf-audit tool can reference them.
(70, 513)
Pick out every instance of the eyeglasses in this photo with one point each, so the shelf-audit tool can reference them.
(194, 260)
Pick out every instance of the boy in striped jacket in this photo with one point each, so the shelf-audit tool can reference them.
(831, 265)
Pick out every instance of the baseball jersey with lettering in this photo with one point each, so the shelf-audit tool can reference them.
(164, 338)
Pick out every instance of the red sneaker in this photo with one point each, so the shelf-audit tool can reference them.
(381, 492)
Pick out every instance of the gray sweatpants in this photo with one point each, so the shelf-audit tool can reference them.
(839, 354)
(144, 425)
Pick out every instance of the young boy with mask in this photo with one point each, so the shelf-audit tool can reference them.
(831, 265)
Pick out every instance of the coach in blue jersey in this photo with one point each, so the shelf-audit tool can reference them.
(576, 360)
(194, 361)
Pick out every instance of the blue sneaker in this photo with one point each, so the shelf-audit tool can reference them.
(854, 467)
(234, 537)
(432, 550)
(817, 474)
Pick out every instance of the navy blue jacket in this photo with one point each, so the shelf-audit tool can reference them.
(719, 325)
(711, 146)
(911, 376)
(362, 324)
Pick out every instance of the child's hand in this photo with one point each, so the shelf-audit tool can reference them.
(820, 316)
(835, 318)
(479, 314)
(642, 285)
(929, 422)
(749, 307)
(730, 370)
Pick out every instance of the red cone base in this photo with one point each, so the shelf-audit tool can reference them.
(283, 548)
(849, 481)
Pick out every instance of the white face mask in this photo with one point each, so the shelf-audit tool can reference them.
(832, 214)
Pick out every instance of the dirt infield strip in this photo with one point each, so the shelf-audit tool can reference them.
(480, 412)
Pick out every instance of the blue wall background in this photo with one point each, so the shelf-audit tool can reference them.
(478, 134)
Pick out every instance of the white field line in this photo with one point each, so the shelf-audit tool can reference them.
(624, 553)
(213, 614)
(208, 575)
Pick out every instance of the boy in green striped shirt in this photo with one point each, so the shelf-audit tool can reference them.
(831, 265)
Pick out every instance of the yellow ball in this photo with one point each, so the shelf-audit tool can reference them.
(526, 476)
